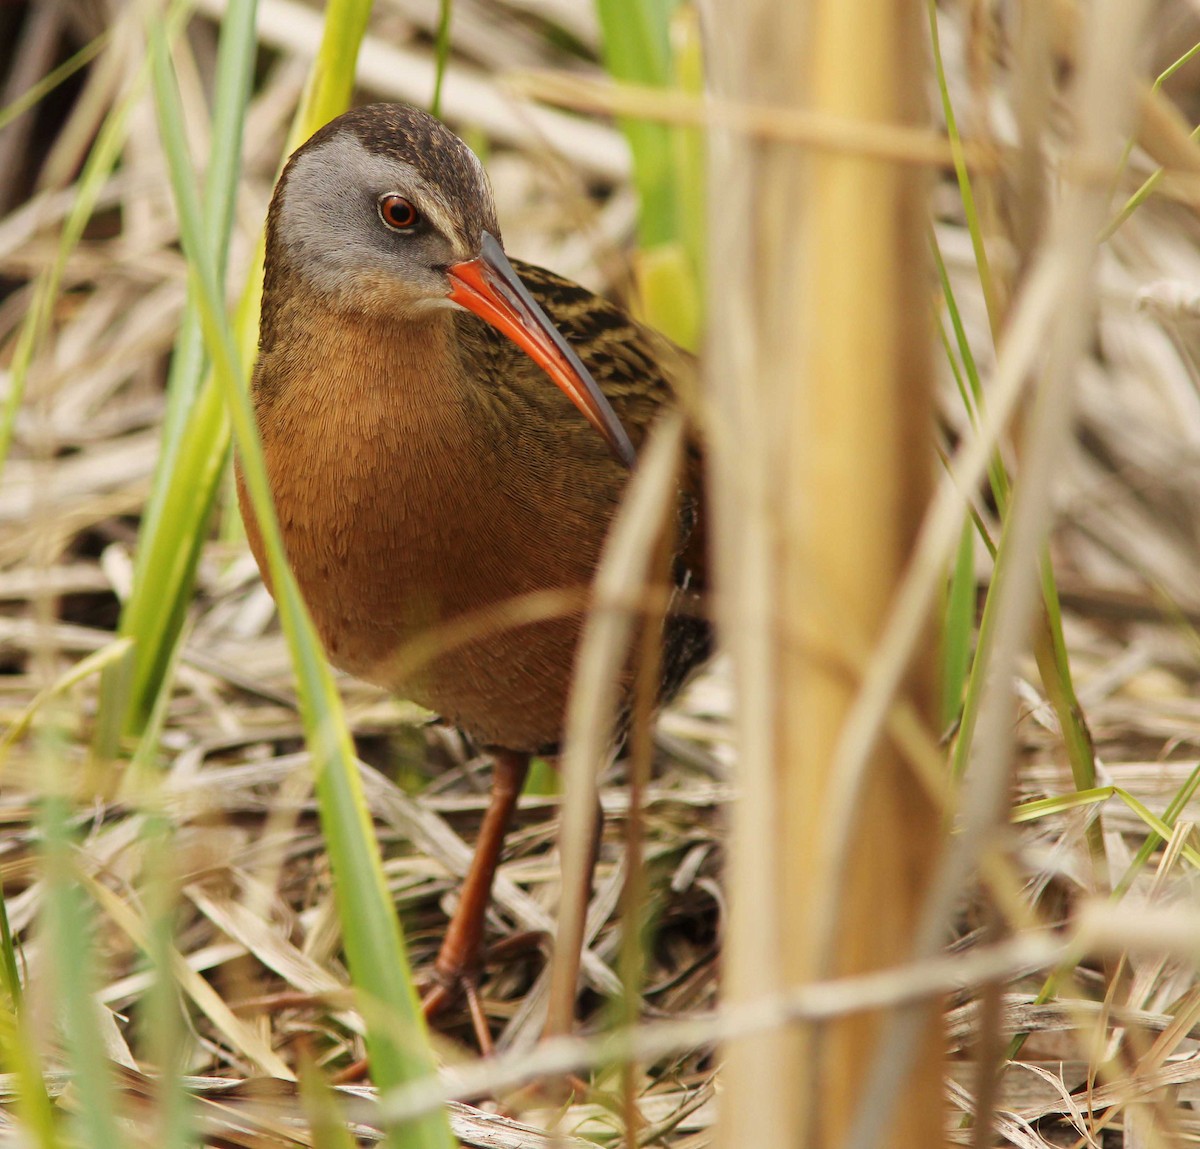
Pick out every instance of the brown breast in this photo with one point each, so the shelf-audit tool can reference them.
(411, 495)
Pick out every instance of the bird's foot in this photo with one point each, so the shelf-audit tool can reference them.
(452, 978)
(460, 959)
(518, 945)
(446, 987)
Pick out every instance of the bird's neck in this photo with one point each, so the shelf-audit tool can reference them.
(354, 370)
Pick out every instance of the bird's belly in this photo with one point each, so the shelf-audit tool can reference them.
(480, 664)
(469, 604)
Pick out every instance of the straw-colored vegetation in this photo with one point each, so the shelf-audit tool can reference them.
(192, 899)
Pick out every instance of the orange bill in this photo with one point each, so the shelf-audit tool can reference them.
(489, 287)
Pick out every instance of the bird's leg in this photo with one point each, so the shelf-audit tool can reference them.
(458, 961)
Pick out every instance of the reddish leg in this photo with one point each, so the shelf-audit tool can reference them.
(459, 959)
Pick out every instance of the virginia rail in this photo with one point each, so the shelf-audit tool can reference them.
(424, 467)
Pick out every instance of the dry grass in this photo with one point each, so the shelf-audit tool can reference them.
(1114, 1054)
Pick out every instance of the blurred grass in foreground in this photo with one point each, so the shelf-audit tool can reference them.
(656, 43)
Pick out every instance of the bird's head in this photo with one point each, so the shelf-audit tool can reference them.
(384, 210)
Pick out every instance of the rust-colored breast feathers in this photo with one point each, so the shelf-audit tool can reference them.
(433, 486)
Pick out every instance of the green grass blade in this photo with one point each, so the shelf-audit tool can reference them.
(236, 55)
(959, 626)
(1156, 824)
(668, 293)
(396, 1037)
(1049, 643)
(67, 946)
(1037, 808)
(98, 660)
(1154, 839)
(441, 54)
(1171, 815)
(986, 280)
(668, 162)
(195, 443)
(1054, 664)
(1160, 828)
(163, 1036)
(10, 978)
(1152, 181)
(973, 400)
(637, 49)
(197, 434)
(691, 150)
(331, 83)
(18, 1047)
(164, 1040)
(326, 1121)
(973, 695)
(51, 80)
(156, 609)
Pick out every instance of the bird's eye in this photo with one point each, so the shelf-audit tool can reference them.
(397, 212)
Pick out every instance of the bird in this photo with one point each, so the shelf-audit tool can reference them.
(448, 434)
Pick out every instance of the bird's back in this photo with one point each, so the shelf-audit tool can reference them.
(643, 374)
